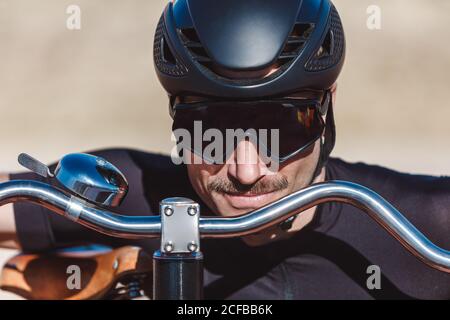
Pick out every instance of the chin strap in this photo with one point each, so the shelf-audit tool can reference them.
(327, 143)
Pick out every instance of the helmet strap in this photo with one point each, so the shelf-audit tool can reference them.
(326, 143)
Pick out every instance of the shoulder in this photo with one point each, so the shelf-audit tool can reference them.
(377, 174)
(385, 178)
(424, 199)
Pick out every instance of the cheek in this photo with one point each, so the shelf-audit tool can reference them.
(300, 169)
(198, 177)
(201, 174)
(200, 171)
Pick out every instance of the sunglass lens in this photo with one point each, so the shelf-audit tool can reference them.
(280, 129)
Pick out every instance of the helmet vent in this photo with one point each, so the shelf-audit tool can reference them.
(295, 42)
(302, 30)
(190, 34)
(199, 52)
(165, 60)
(332, 47)
(167, 54)
(192, 42)
(326, 49)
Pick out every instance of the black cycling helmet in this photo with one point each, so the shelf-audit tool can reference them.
(248, 49)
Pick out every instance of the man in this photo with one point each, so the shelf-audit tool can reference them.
(263, 65)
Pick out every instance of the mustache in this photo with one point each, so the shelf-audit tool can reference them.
(231, 185)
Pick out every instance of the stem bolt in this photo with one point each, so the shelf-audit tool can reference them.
(168, 247)
(192, 246)
(168, 211)
(192, 211)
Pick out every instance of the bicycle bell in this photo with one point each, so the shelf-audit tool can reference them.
(87, 176)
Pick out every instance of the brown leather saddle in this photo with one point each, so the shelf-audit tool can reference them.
(104, 273)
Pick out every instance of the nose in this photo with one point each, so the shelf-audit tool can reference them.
(245, 164)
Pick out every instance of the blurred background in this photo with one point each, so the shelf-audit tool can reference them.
(67, 91)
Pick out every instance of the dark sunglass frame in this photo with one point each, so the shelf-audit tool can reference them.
(320, 105)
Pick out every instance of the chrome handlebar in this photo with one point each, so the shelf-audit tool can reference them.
(136, 227)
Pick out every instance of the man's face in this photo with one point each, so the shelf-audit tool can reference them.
(245, 183)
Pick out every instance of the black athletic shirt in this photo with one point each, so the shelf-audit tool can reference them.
(326, 260)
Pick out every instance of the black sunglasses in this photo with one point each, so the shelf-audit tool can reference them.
(299, 123)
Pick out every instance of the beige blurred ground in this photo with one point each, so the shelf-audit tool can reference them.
(63, 91)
